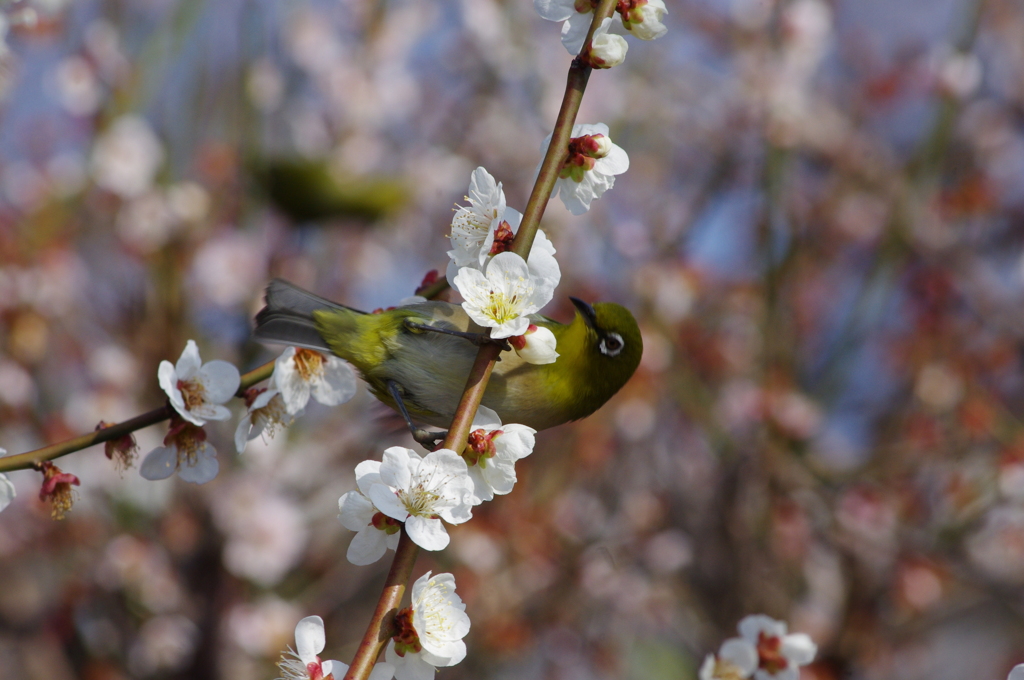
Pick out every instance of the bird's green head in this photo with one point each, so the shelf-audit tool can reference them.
(614, 345)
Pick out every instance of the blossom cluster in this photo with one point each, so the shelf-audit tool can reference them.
(197, 393)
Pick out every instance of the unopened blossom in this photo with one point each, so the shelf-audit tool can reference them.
(504, 295)
(606, 49)
(123, 450)
(487, 228)
(423, 491)
(186, 452)
(491, 453)
(376, 532)
(780, 655)
(736, 660)
(300, 373)
(430, 630)
(127, 157)
(265, 413)
(197, 390)
(535, 346)
(643, 18)
(590, 167)
(576, 15)
(303, 663)
(56, 489)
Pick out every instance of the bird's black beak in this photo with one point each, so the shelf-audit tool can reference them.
(586, 311)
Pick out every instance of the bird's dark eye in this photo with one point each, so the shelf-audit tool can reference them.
(611, 344)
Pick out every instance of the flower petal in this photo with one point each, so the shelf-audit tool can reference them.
(799, 648)
(242, 433)
(394, 468)
(741, 653)
(338, 383)
(7, 491)
(381, 671)
(428, 534)
(750, 626)
(220, 379)
(168, 380)
(189, 361)
(367, 546)
(574, 31)
(367, 474)
(515, 442)
(203, 469)
(554, 10)
(294, 389)
(387, 502)
(160, 463)
(409, 667)
(310, 638)
(356, 511)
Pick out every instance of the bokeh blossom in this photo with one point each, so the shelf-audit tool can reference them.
(780, 654)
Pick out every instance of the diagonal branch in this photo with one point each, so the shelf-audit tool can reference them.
(381, 626)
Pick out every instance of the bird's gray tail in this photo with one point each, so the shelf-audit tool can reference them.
(287, 317)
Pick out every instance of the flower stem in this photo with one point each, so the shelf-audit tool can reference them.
(381, 626)
(24, 461)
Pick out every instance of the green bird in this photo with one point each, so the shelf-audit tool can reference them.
(416, 357)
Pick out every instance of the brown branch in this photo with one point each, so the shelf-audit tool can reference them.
(24, 461)
(381, 626)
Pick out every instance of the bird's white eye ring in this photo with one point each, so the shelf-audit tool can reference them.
(612, 344)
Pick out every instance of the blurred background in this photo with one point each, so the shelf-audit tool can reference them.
(821, 233)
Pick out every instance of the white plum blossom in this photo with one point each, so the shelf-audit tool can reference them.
(736, 659)
(7, 492)
(423, 491)
(780, 655)
(504, 295)
(303, 663)
(266, 413)
(300, 373)
(186, 452)
(126, 157)
(376, 532)
(430, 630)
(1017, 673)
(491, 454)
(487, 227)
(577, 16)
(606, 49)
(536, 346)
(643, 18)
(474, 226)
(197, 390)
(590, 167)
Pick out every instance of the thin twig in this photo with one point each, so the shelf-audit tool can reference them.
(24, 461)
